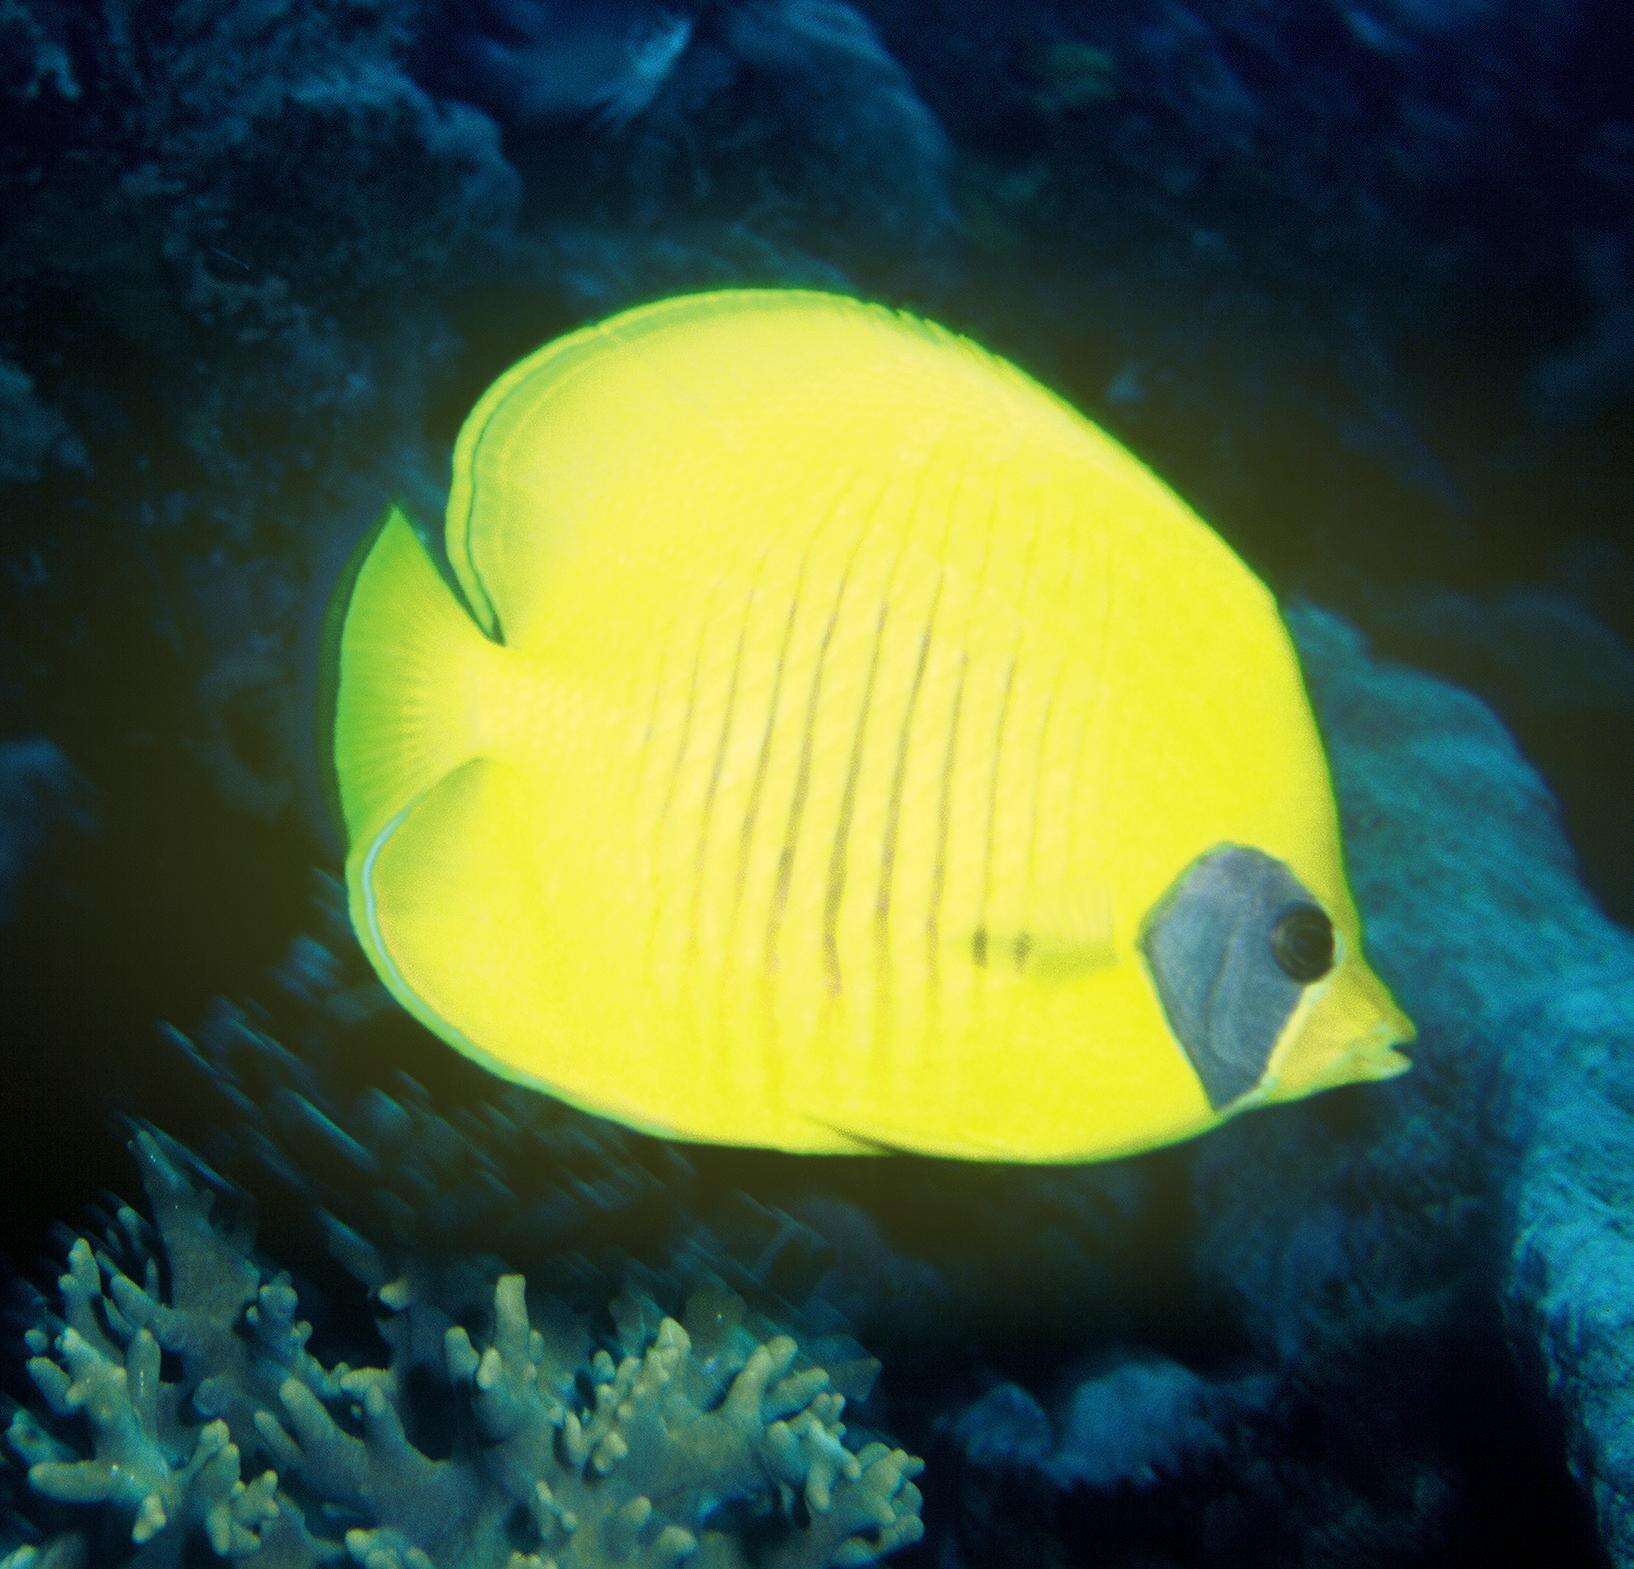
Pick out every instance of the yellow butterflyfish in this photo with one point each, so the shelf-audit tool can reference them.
(837, 743)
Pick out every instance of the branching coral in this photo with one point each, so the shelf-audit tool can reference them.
(181, 1412)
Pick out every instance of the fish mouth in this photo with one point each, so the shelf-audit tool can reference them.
(1351, 1033)
(1378, 1054)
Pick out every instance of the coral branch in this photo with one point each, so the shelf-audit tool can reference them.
(694, 1429)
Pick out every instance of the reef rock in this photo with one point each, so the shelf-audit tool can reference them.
(1527, 992)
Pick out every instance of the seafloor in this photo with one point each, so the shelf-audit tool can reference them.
(1354, 275)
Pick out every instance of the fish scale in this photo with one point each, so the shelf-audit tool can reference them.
(807, 846)
(842, 745)
(945, 894)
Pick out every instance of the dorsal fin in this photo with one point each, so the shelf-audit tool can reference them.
(515, 473)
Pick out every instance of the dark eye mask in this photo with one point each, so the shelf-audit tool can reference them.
(1209, 945)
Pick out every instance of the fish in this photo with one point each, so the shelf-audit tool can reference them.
(823, 737)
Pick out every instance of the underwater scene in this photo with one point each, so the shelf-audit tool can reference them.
(789, 784)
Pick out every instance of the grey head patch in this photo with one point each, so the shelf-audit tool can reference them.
(1208, 945)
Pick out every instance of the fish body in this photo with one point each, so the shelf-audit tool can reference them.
(842, 745)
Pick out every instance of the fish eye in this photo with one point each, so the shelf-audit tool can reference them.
(1302, 942)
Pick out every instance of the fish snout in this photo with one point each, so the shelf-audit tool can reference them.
(1351, 1033)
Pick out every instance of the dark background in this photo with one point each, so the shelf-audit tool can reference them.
(1353, 275)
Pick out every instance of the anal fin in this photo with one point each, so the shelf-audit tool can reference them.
(446, 897)
(878, 1134)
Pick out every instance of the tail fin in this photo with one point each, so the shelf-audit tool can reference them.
(409, 667)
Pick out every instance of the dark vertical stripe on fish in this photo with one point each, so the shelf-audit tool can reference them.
(686, 725)
(719, 764)
(661, 644)
(752, 811)
(1040, 760)
(802, 780)
(980, 945)
(944, 824)
(651, 725)
(893, 805)
(848, 803)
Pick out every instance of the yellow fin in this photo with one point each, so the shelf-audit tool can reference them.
(514, 460)
(409, 670)
(447, 904)
(523, 386)
(874, 1133)
(450, 910)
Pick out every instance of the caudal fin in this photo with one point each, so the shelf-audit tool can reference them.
(410, 670)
